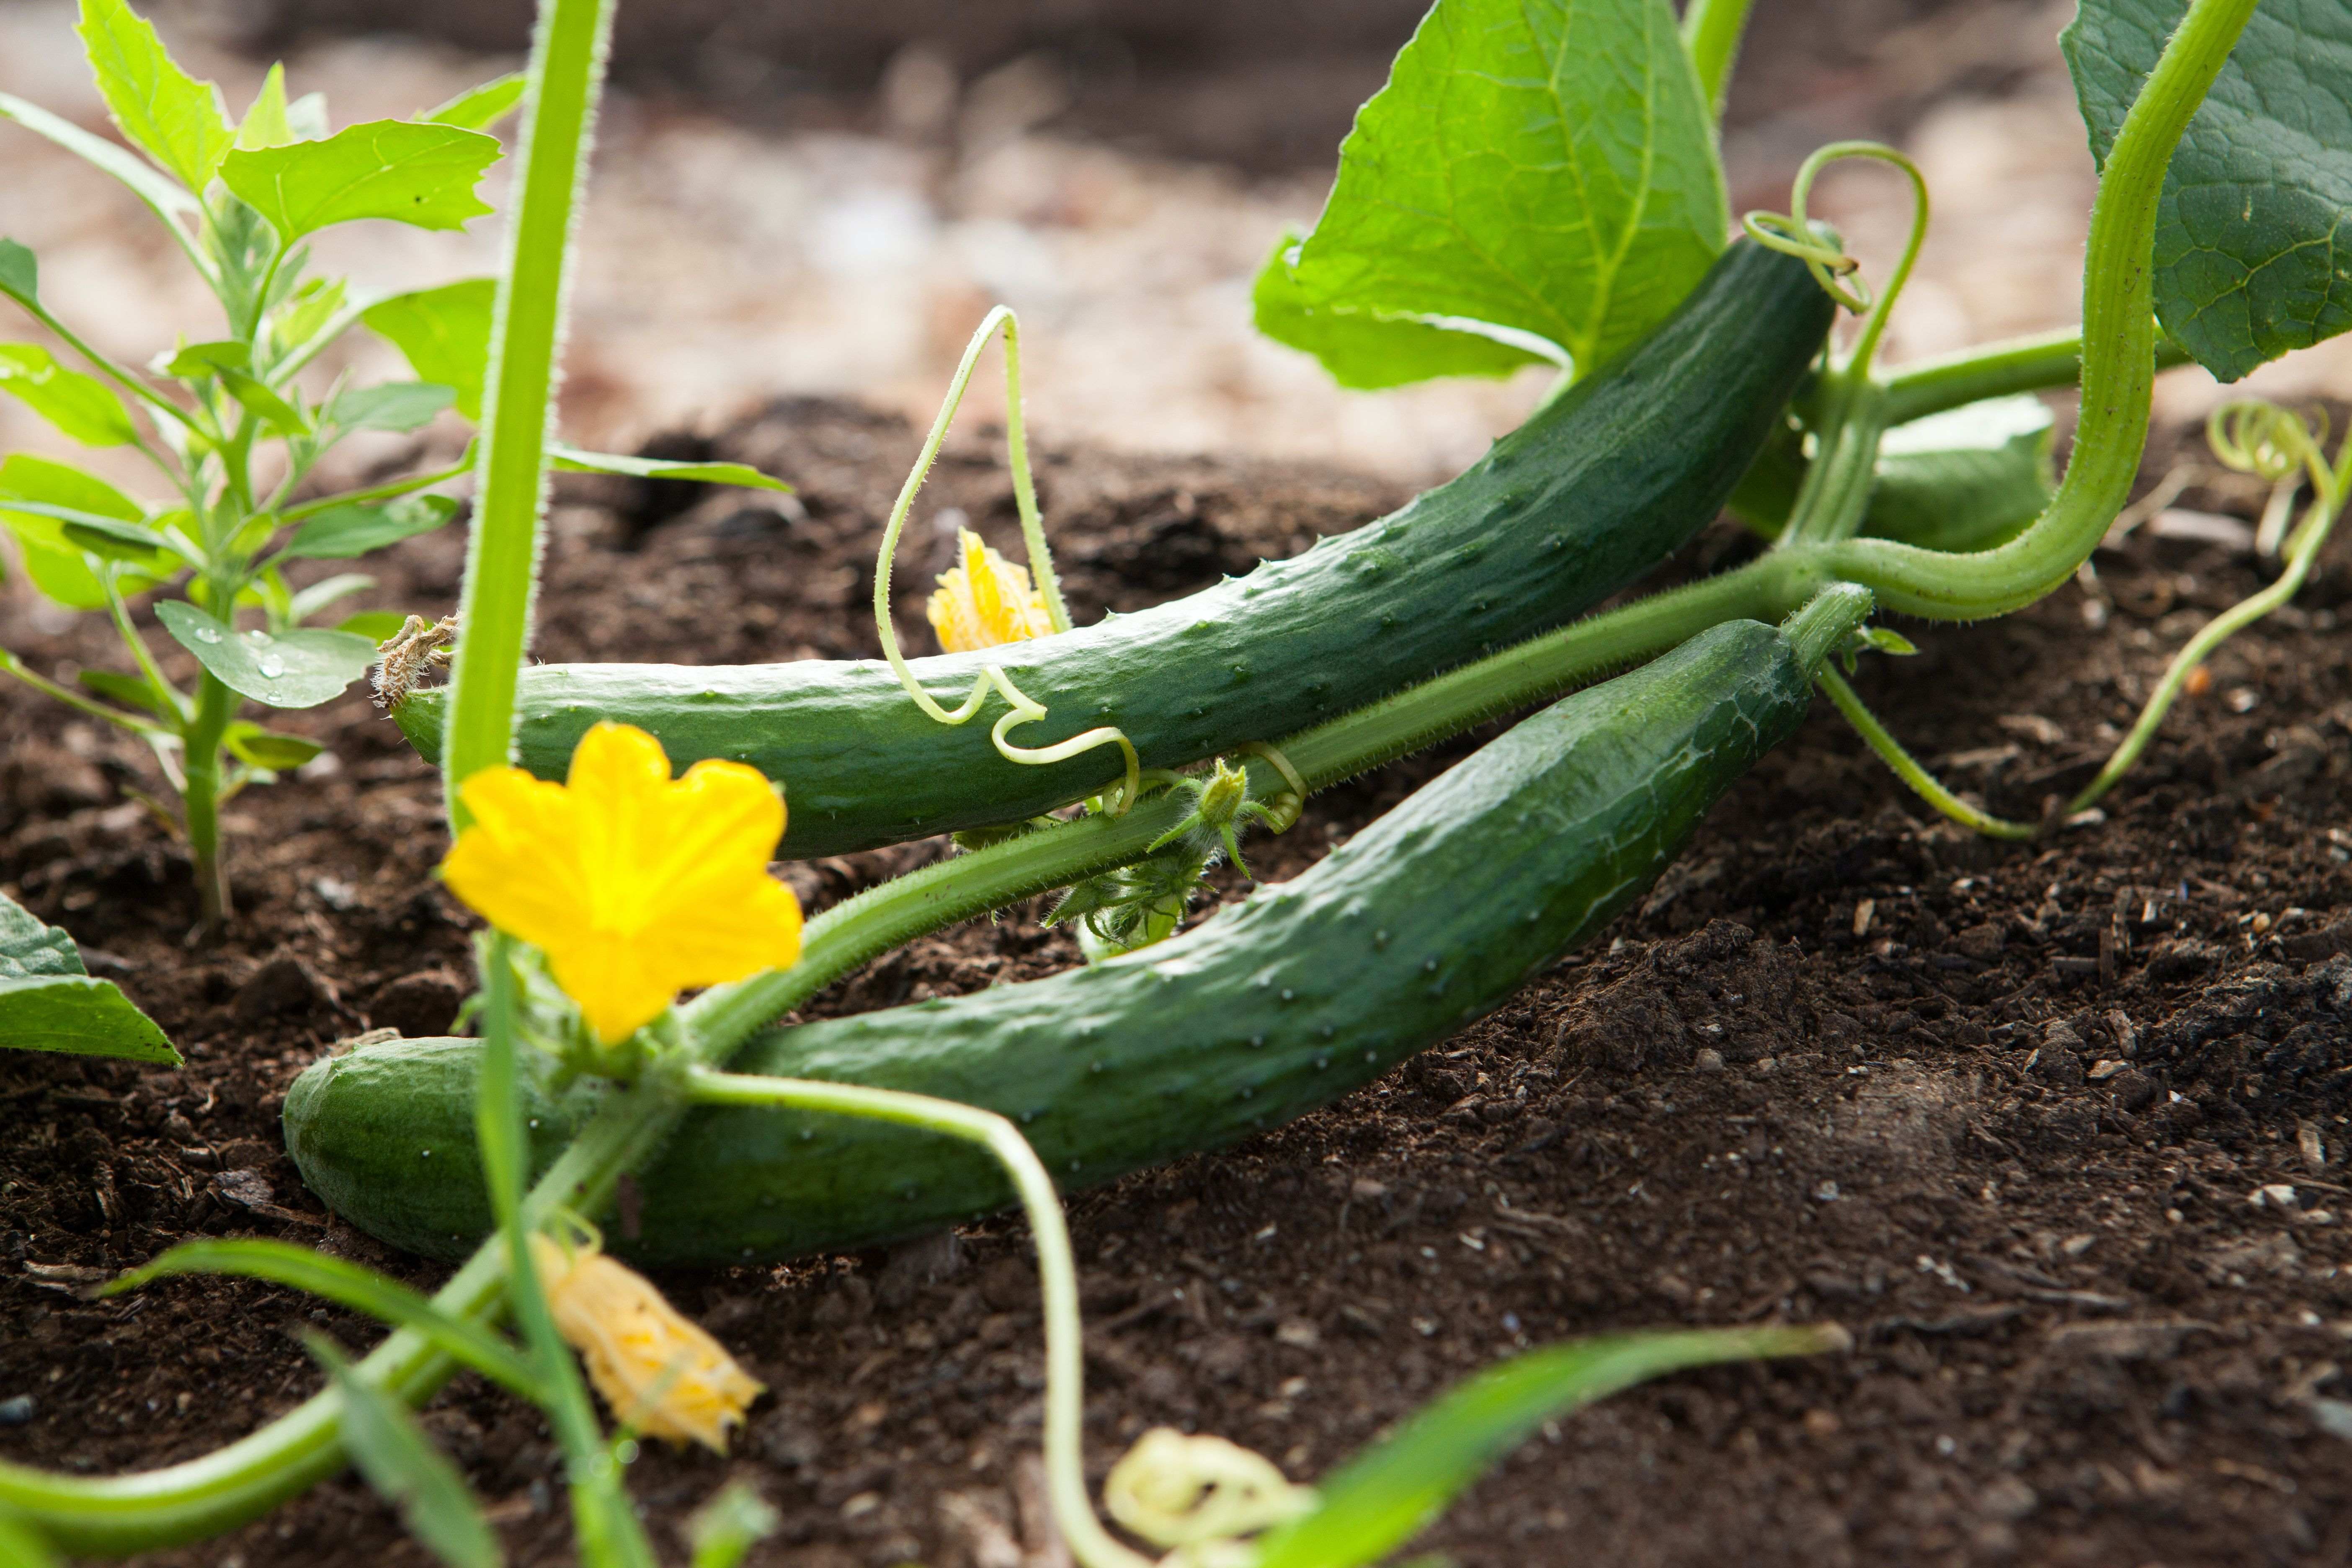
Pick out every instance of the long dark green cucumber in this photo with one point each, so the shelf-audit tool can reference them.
(1306, 991)
(1586, 496)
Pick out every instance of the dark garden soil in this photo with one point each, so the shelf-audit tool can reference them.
(1998, 1111)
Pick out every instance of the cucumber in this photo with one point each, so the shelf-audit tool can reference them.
(1591, 492)
(1299, 994)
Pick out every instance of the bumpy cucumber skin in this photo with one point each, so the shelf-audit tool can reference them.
(1587, 496)
(1306, 991)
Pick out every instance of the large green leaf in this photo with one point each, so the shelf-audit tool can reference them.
(444, 334)
(49, 1003)
(55, 567)
(299, 669)
(1380, 1499)
(1365, 350)
(179, 120)
(418, 174)
(2252, 258)
(1540, 171)
(82, 407)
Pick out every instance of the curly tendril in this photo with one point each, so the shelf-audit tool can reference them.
(1792, 233)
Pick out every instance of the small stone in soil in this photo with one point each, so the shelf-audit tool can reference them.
(15, 1411)
(282, 986)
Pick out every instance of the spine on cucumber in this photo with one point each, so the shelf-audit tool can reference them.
(1303, 993)
(1590, 493)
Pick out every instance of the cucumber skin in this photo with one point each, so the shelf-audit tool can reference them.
(1306, 991)
(1585, 497)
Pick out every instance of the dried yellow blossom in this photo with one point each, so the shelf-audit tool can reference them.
(659, 1372)
(635, 884)
(986, 601)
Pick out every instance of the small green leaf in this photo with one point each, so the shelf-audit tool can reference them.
(301, 606)
(1543, 172)
(378, 626)
(341, 533)
(572, 460)
(275, 412)
(391, 1449)
(49, 1003)
(723, 1529)
(1384, 1495)
(444, 332)
(83, 407)
(249, 743)
(1365, 351)
(482, 107)
(419, 175)
(56, 568)
(179, 120)
(298, 668)
(197, 359)
(129, 542)
(131, 690)
(314, 304)
(2250, 257)
(265, 123)
(394, 406)
(20, 274)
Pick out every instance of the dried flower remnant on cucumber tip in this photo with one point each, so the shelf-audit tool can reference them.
(635, 884)
(987, 601)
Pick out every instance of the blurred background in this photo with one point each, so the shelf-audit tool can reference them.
(824, 196)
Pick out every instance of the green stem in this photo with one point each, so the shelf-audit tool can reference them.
(1065, 1479)
(1711, 32)
(138, 644)
(201, 796)
(387, 491)
(567, 68)
(13, 664)
(1923, 783)
(2035, 364)
(1834, 497)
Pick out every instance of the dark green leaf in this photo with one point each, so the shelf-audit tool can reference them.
(377, 625)
(56, 568)
(1967, 480)
(444, 332)
(82, 407)
(179, 120)
(268, 749)
(298, 668)
(383, 1439)
(208, 359)
(1383, 1497)
(394, 406)
(1540, 171)
(279, 415)
(572, 460)
(20, 274)
(419, 175)
(2250, 258)
(342, 532)
(129, 542)
(132, 690)
(1366, 350)
(49, 1003)
(481, 108)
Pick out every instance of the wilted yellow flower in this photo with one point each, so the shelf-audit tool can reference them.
(637, 886)
(659, 1372)
(986, 601)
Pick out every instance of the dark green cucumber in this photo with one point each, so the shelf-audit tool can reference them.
(1304, 991)
(1590, 493)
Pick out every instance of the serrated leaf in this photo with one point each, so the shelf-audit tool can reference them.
(177, 119)
(57, 569)
(482, 107)
(20, 274)
(2250, 258)
(298, 668)
(394, 405)
(1382, 1498)
(208, 359)
(1365, 351)
(264, 124)
(422, 176)
(391, 1449)
(249, 743)
(341, 533)
(1543, 168)
(49, 1003)
(378, 626)
(444, 335)
(81, 407)
(572, 460)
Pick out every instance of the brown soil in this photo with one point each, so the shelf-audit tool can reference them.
(1996, 1110)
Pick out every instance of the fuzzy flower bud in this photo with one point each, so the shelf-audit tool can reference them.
(658, 1372)
(986, 601)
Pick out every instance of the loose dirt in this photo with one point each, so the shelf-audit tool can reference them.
(1998, 1111)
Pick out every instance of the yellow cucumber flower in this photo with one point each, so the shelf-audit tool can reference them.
(637, 886)
(986, 601)
(658, 1371)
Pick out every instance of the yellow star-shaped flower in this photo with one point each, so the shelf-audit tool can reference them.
(637, 886)
(986, 601)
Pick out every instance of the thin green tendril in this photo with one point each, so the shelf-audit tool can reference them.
(1908, 767)
(1793, 235)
